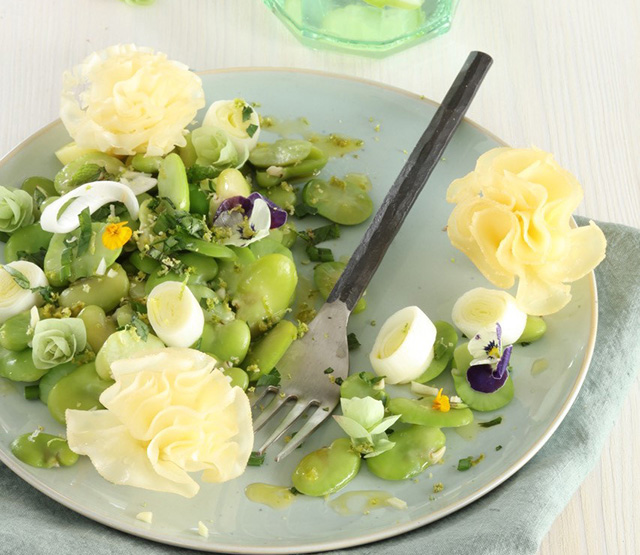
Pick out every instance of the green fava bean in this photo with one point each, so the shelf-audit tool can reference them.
(52, 377)
(14, 333)
(226, 342)
(146, 164)
(310, 166)
(269, 246)
(62, 265)
(124, 315)
(534, 329)
(79, 390)
(104, 291)
(18, 366)
(30, 239)
(476, 399)
(84, 169)
(123, 344)
(239, 377)
(43, 450)
(422, 413)
(327, 470)
(204, 269)
(204, 247)
(198, 201)
(284, 152)
(339, 201)
(143, 263)
(362, 385)
(172, 181)
(270, 348)
(187, 152)
(231, 271)
(326, 275)
(99, 326)
(265, 291)
(444, 347)
(284, 198)
(415, 449)
(44, 185)
(286, 234)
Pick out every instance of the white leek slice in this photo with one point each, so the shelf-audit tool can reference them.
(229, 115)
(175, 314)
(481, 309)
(138, 182)
(14, 298)
(92, 196)
(404, 346)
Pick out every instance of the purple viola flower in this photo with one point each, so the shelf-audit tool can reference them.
(250, 218)
(488, 370)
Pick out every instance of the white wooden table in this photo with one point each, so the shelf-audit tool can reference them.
(566, 78)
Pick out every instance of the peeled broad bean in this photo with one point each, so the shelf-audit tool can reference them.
(265, 291)
(143, 263)
(146, 164)
(86, 168)
(42, 184)
(18, 366)
(327, 470)
(123, 344)
(326, 275)
(172, 181)
(104, 291)
(79, 390)
(14, 333)
(444, 347)
(99, 326)
(231, 271)
(286, 234)
(338, 200)
(238, 376)
(362, 385)
(284, 152)
(414, 450)
(534, 329)
(269, 246)
(123, 315)
(284, 198)
(29, 239)
(311, 165)
(43, 450)
(227, 342)
(204, 269)
(198, 200)
(422, 413)
(270, 348)
(52, 377)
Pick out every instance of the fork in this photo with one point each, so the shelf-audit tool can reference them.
(312, 365)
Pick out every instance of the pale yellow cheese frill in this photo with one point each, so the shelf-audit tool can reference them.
(513, 219)
(168, 414)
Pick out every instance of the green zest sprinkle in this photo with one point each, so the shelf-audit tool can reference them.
(84, 240)
(316, 254)
(20, 279)
(272, 378)
(251, 129)
(329, 370)
(32, 392)
(352, 341)
(255, 459)
(491, 423)
(438, 487)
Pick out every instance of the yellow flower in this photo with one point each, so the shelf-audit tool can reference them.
(125, 100)
(116, 235)
(513, 218)
(441, 402)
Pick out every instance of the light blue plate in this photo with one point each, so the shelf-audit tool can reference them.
(421, 268)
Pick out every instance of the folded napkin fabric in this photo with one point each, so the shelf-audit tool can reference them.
(511, 520)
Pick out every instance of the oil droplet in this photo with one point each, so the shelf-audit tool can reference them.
(539, 365)
(363, 502)
(276, 497)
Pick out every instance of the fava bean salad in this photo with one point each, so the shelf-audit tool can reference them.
(151, 282)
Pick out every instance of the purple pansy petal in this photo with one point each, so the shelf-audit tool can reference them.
(483, 378)
(227, 218)
(499, 335)
(278, 215)
(503, 363)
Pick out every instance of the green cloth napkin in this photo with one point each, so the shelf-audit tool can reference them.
(511, 520)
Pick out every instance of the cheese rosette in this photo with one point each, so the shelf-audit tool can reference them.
(513, 219)
(169, 413)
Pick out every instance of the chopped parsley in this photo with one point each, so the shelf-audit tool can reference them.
(272, 378)
(302, 210)
(255, 459)
(20, 279)
(491, 423)
(319, 254)
(352, 341)
(251, 129)
(468, 462)
(35, 257)
(246, 112)
(329, 370)
(86, 232)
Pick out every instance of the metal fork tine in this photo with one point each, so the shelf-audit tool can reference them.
(257, 395)
(303, 433)
(269, 411)
(293, 415)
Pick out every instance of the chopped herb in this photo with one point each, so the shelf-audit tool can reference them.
(84, 240)
(251, 129)
(35, 257)
(246, 112)
(370, 381)
(373, 323)
(197, 173)
(498, 447)
(142, 329)
(66, 256)
(491, 423)
(39, 196)
(338, 381)
(48, 295)
(329, 370)
(272, 378)
(439, 349)
(20, 279)
(139, 307)
(255, 459)
(352, 341)
(32, 392)
(468, 462)
(301, 210)
(321, 234)
(294, 491)
(317, 254)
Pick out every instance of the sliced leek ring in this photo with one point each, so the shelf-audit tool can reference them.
(404, 346)
(231, 117)
(481, 308)
(15, 299)
(175, 314)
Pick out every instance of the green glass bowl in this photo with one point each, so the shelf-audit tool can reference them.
(369, 27)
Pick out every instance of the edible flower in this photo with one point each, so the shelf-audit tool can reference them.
(488, 371)
(16, 209)
(116, 235)
(364, 422)
(441, 402)
(57, 340)
(249, 219)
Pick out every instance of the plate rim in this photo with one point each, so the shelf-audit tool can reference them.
(378, 535)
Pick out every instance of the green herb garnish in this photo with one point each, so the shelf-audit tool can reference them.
(246, 113)
(142, 329)
(272, 378)
(255, 459)
(302, 210)
(84, 239)
(321, 234)
(498, 447)
(329, 370)
(35, 257)
(319, 254)
(352, 341)
(491, 423)
(468, 462)
(32, 392)
(20, 279)
(197, 173)
(251, 129)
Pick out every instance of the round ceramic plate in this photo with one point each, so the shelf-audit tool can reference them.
(421, 268)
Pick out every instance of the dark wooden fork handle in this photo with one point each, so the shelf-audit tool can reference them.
(410, 181)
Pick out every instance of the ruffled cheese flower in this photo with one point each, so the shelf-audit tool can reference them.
(513, 218)
(169, 413)
(125, 100)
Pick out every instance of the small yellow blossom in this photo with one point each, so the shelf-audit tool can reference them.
(441, 402)
(116, 235)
